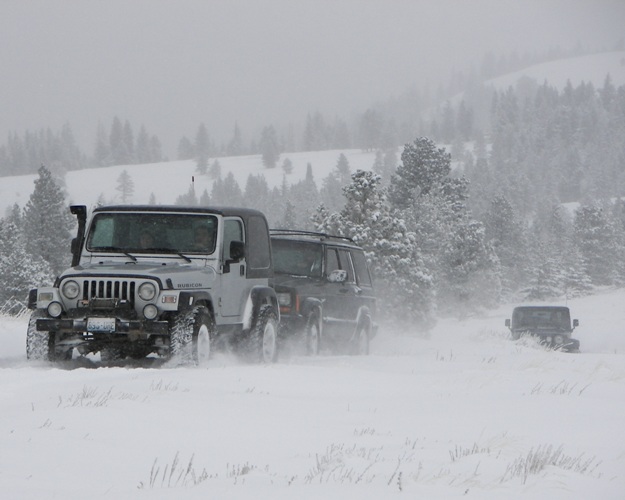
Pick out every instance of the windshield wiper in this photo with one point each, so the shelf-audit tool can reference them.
(116, 249)
(169, 250)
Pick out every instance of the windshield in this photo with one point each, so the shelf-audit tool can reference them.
(152, 233)
(297, 258)
(541, 316)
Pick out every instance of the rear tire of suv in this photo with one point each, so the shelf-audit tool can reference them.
(264, 338)
(360, 344)
(313, 333)
(191, 334)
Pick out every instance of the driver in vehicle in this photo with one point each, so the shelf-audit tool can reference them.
(203, 239)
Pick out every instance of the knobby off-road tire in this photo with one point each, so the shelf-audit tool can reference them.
(40, 345)
(263, 346)
(313, 333)
(190, 337)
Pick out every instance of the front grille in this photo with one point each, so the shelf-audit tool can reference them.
(109, 289)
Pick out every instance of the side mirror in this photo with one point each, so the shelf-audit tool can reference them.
(508, 323)
(237, 252)
(337, 276)
(575, 323)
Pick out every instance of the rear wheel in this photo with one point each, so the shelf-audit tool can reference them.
(360, 344)
(313, 333)
(264, 336)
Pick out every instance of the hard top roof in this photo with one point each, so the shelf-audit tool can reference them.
(225, 211)
(519, 308)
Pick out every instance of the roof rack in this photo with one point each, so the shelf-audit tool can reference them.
(298, 232)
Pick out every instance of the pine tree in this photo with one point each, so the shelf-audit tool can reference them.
(235, 146)
(102, 154)
(20, 270)
(128, 140)
(116, 143)
(125, 186)
(202, 149)
(597, 239)
(287, 166)
(424, 166)
(270, 149)
(47, 223)
(186, 151)
(142, 152)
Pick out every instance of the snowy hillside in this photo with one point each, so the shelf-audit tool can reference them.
(464, 413)
(168, 180)
(588, 69)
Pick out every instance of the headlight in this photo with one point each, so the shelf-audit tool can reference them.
(150, 311)
(55, 309)
(147, 291)
(70, 289)
(558, 339)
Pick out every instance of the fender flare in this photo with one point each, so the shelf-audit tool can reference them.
(309, 304)
(259, 296)
(189, 299)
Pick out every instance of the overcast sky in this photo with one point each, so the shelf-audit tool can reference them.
(172, 64)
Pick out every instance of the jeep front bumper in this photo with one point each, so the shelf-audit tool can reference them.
(121, 326)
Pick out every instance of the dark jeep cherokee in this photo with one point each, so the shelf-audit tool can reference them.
(324, 290)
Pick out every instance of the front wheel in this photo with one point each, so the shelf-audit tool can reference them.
(191, 335)
(39, 344)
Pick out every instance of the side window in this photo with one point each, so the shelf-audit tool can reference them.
(360, 266)
(332, 261)
(346, 264)
(233, 231)
(258, 243)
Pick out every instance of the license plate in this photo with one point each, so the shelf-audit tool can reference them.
(101, 325)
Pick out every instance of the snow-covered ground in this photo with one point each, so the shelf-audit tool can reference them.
(463, 413)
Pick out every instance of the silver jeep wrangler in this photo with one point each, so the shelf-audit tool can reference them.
(170, 281)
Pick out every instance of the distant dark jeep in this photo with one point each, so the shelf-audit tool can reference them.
(324, 290)
(169, 281)
(551, 324)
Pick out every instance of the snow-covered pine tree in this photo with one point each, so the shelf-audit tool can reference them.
(19, 269)
(597, 239)
(424, 166)
(47, 223)
(504, 232)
